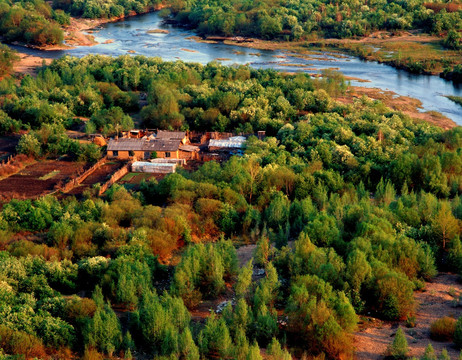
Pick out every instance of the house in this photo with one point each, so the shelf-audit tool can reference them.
(165, 144)
(126, 148)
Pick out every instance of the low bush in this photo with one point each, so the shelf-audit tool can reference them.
(19, 342)
(443, 329)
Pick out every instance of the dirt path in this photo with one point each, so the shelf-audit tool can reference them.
(245, 253)
(435, 302)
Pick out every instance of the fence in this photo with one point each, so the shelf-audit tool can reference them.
(14, 164)
(71, 184)
(119, 174)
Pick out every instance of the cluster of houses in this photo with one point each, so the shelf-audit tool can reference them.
(161, 151)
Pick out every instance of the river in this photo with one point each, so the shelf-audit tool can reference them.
(131, 35)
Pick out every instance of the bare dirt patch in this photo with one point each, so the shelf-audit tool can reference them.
(245, 253)
(26, 183)
(100, 175)
(375, 336)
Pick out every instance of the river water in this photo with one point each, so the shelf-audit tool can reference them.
(131, 36)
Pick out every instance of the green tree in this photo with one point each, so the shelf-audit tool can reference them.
(29, 145)
(187, 347)
(103, 331)
(244, 281)
(458, 333)
(453, 40)
(254, 352)
(399, 348)
(429, 353)
(444, 225)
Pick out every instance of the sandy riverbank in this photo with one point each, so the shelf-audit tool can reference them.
(405, 104)
(28, 64)
(379, 37)
(79, 32)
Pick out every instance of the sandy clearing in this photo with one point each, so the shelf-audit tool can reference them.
(245, 253)
(28, 64)
(372, 340)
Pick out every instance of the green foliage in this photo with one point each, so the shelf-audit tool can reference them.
(453, 40)
(298, 19)
(349, 206)
(94, 10)
(202, 270)
(109, 121)
(31, 22)
(103, 331)
(399, 348)
(161, 322)
(312, 298)
(7, 59)
(215, 338)
(458, 333)
(429, 353)
(244, 281)
(36, 317)
(394, 292)
(52, 141)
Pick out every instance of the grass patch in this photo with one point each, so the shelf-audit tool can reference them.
(414, 56)
(129, 176)
(456, 99)
(50, 175)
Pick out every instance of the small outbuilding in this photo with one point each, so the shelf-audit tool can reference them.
(153, 167)
(232, 144)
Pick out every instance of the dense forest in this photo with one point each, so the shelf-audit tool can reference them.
(35, 22)
(108, 9)
(7, 59)
(325, 18)
(352, 207)
(31, 22)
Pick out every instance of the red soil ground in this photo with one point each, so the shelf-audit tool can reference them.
(99, 176)
(27, 184)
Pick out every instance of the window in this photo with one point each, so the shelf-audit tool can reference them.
(167, 154)
(131, 153)
(115, 153)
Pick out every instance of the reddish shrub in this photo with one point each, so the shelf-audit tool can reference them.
(21, 343)
(437, 7)
(443, 329)
(78, 308)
